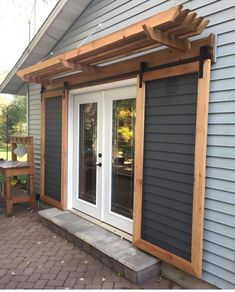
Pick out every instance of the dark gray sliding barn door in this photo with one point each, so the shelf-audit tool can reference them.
(53, 131)
(169, 141)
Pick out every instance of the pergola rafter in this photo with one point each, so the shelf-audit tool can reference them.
(170, 28)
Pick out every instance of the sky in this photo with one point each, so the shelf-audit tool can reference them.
(14, 27)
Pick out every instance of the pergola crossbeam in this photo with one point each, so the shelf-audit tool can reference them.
(76, 66)
(38, 80)
(191, 29)
(197, 31)
(131, 67)
(166, 39)
(183, 26)
(179, 20)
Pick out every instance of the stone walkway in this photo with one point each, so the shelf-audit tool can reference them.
(33, 257)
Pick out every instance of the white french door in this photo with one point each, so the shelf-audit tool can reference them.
(87, 133)
(103, 155)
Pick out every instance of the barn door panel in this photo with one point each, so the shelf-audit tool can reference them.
(170, 120)
(54, 148)
(172, 116)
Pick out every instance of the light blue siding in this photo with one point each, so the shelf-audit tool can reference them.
(34, 121)
(219, 237)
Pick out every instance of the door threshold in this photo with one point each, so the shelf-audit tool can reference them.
(116, 253)
(104, 225)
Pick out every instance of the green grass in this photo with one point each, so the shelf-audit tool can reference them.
(3, 154)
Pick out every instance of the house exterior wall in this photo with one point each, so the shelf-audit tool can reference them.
(34, 128)
(219, 230)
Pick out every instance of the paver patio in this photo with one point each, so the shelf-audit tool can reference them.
(33, 257)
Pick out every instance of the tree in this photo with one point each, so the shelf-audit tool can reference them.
(13, 119)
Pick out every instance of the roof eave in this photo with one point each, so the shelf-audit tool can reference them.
(4, 87)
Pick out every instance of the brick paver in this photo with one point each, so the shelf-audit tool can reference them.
(33, 257)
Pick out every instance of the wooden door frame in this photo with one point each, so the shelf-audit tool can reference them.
(64, 147)
(194, 266)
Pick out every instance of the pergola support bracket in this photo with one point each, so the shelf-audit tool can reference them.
(204, 54)
(141, 72)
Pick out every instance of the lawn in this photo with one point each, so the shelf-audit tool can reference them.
(3, 154)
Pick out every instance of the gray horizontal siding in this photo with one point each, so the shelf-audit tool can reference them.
(220, 185)
(34, 122)
(219, 230)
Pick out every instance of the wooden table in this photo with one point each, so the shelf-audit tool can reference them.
(9, 169)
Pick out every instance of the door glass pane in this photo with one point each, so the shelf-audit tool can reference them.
(87, 152)
(123, 156)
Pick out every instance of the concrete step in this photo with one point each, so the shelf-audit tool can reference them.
(113, 251)
(183, 279)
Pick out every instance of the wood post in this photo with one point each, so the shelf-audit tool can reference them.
(31, 191)
(200, 167)
(13, 155)
(139, 149)
(8, 197)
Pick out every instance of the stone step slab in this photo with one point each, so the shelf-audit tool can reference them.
(112, 250)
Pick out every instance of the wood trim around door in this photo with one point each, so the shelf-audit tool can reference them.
(194, 266)
(139, 159)
(64, 146)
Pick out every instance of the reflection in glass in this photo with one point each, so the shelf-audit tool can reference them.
(123, 156)
(87, 152)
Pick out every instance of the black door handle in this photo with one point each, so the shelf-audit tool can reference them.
(99, 164)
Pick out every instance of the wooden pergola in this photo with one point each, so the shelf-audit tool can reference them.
(171, 28)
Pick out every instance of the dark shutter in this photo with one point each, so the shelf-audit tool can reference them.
(170, 117)
(53, 128)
